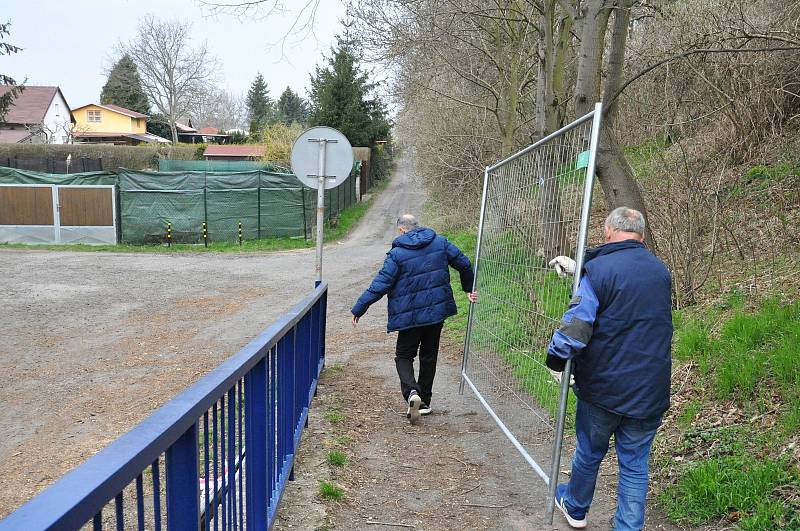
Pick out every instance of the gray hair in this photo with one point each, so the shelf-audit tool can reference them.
(626, 219)
(408, 222)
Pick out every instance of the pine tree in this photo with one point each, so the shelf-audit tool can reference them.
(260, 108)
(339, 98)
(124, 87)
(7, 99)
(292, 108)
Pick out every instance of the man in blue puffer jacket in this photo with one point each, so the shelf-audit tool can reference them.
(416, 278)
(618, 331)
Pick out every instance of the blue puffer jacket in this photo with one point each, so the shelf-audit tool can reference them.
(416, 277)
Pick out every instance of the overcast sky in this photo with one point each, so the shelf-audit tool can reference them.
(71, 43)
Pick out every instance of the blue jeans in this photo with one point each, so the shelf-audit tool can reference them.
(633, 439)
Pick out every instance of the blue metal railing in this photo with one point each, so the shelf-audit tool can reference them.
(217, 456)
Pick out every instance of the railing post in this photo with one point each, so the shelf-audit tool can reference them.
(255, 383)
(323, 312)
(183, 489)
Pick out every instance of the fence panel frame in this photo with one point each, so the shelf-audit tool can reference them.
(81, 495)
(551, 479)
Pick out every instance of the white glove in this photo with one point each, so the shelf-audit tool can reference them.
(564, 265)
(557, 377)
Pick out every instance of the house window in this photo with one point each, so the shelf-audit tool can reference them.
(93, 117)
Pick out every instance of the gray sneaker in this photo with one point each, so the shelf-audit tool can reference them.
(414, 401)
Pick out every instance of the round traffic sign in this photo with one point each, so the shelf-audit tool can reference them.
(306, 157)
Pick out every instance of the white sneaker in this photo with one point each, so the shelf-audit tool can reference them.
(425, 409)
(573, 522)
(414, 401)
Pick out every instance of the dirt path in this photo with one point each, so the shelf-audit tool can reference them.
(93, 342)
(435, 475)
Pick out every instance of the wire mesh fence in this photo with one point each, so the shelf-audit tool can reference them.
(535, 207)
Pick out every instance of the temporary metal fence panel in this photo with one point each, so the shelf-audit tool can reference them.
(535, 206)
(217, 456)
(48, 213)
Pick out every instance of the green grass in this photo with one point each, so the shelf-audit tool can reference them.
(688, 414)
(748, 357)
(334, 413)
(342, 441)
(264, 244)
(332, 370)
(753, 348)
(336, 458)
(742, 489)
(330, 491)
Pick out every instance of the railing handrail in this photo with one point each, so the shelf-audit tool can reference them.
(76, 497)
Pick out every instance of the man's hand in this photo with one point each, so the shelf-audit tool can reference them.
(473, 297)
(557, 377)
(564, 265)
(355, 321)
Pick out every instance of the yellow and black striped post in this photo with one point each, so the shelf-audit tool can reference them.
(205, 234)
(240, 233)
(169, 234)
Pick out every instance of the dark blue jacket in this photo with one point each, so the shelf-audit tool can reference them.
(416, 277)
(619, 328)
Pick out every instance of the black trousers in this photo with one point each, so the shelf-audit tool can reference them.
(425, 340)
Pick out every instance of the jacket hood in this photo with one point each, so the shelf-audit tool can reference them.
(415, 239)
(609, 248)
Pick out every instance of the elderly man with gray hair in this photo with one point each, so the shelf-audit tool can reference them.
(416, 277)
(618, 332)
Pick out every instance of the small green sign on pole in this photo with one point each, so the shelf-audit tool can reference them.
(583, 160)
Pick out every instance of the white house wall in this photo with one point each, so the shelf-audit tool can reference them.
(57, 123)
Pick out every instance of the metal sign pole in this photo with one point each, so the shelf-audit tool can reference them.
(323, 142)
(324, 166)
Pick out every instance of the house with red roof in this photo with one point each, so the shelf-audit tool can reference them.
(38, 115)
(111, 124)
(235, 152)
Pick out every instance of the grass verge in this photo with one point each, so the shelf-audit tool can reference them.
(728, 452)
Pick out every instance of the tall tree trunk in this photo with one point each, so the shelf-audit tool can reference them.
(620, 187)
(552, 63)
(615, 175)
(592, 22)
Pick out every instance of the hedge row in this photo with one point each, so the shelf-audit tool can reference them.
(133, 157)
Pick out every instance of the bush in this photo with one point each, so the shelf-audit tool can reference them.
(279, 139)
(140, 157)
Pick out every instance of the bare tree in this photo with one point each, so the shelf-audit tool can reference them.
(173, 73)
(214, 107)
(301, 26)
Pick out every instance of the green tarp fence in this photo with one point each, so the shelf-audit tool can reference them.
(268, 204)
(221, 165)
(15, 176)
